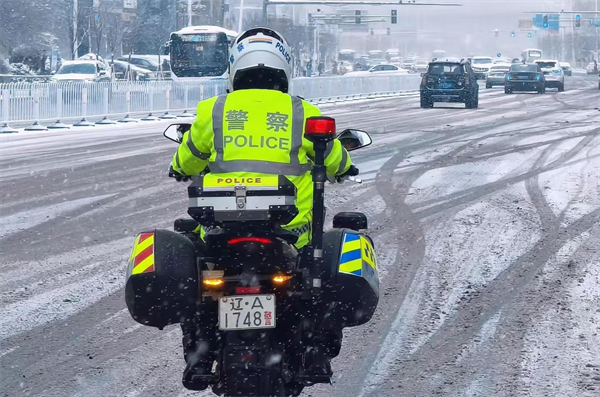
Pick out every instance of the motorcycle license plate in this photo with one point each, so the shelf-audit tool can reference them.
(246, 312)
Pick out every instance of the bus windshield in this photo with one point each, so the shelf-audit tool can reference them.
(535, 54)
(199, 55)
(346, 56)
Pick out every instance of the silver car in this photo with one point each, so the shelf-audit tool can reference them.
(496, 75)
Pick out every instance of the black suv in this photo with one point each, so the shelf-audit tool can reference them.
(449, 81)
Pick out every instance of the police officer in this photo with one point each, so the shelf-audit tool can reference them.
(255, 130)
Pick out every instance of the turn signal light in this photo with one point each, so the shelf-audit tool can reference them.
(280, 279)
(320, 126)
(213, 282)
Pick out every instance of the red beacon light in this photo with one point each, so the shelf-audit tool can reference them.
(320, 129)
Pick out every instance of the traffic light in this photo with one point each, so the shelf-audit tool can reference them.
(513, 34)
(389, 31)
(496, 32)
(577, 21)
(357, 19)
(529, 35)
(545, 23)
(394, 16)
(372, 32)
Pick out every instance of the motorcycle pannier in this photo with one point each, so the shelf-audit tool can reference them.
(352, 279)
(162, 280)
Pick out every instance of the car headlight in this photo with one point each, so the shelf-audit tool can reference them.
(557, 71)
(538, 77)
(508, 77)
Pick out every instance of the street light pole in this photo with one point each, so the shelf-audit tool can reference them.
(241, 17)
(75, 46)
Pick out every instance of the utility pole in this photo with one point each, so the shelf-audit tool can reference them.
(75, 46)
(189, 11)
(241, 16)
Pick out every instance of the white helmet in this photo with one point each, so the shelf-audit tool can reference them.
(260, 58)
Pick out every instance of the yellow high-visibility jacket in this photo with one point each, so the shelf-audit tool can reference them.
(256, 133)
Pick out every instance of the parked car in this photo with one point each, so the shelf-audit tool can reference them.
(127, 71)
(449, 80)
(387, 68)
(345, 67)
(481, 65)
(78, 71)
(525, 77)
(553, 74)
(150, 62)
(420, 65)
(566, 68)
(396, 61)
(496, 75)
(408, 63)
(591, 68)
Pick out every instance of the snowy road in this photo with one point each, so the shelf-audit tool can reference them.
(486, 222)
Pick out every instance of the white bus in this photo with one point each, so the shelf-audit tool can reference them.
(347, 55)
(200, 52)
(531, 54)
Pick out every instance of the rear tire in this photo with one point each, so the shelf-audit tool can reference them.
(488, 86)
(508, 90)
(426, 102)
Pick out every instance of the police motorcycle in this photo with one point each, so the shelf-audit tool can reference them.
(260, 303)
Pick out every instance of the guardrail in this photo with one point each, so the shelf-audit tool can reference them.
(40, 104)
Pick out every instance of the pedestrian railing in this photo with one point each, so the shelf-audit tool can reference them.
(46, 105)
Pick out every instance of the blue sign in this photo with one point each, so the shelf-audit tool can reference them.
(538, 20)
(553, 24)
(498, 55)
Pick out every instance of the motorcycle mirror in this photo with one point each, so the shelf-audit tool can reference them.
(175, 132)
(354, 139)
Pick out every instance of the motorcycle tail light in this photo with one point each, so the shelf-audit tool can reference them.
(239, 240)
(281, 278)
(320, 127)
(247, 290)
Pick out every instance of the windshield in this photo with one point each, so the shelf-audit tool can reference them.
(535, 54)
(547, 64)
(481, 60)
(523, 68)
(346, 57)
(81, 68)
(199, 55)
(445, 68)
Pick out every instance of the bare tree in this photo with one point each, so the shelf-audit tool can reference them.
(117, 30)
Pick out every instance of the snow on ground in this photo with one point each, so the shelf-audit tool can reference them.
(561, 355)
(28, 219)
(485, 239)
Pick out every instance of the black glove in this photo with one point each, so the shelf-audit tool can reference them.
(178, 177)
(352, 171)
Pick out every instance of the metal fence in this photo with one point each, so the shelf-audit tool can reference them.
(43, 103)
